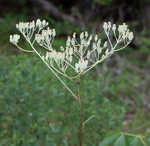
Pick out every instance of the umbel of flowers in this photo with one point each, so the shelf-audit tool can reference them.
(82, 51)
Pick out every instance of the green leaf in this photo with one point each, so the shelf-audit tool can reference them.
(136, 142)
(121, 141)
(109, 140)
(147, 141)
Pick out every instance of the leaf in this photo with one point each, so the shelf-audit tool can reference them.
(109, 140)
(121, 141)
(147, 141)
(136, 142)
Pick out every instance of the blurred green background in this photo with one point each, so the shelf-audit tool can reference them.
(35, 110)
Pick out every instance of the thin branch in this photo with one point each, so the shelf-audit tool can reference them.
(28, 51)
(73, 95)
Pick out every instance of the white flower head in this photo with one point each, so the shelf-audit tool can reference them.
(105, 26)
(82, 35)
(114, 27)
(38, 23)
(105, 44)
(109, 24)
(14, 38)
(122, 28)
(130, 36)
(68, 42)
(41, 24)
(96, 38)
(81, 65)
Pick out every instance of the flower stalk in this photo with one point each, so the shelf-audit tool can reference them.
(80, 110)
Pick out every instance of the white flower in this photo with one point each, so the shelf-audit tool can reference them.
(86, 34)
(81, 65)
(109, 25)
(122, 28)
(57, 56)
(130, 36)
(31, 25)
(96, 38)
(105, 26)
(74, 35)
(114, 27)
(14, 38)
(38, 23)
(82, 35)
(99, 49)
(41, 24)
(68, 42)
(78, 52)
(105, 44)
(99, 42)
(45, 38)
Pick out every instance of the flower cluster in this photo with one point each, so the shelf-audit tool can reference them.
(45, 38)
(81, 65)
(28, 28)
(81, 53)
(124, 33)
(14, 38)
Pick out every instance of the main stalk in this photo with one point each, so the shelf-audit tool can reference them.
(80, 108)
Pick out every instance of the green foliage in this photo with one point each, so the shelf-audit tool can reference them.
(103, 2)
(125, 139)
(109, 140)
(35, 109)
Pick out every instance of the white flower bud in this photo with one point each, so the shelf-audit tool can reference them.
(114, 27)
(99, 42)
(74, 35)
(68, 41)
(82, 35)
(62, 48)
(32, 25)
(88, 55)
(105, 44)
(38, 23)
(105, 26)
(109, 25)
(81, 65)
(44, 22)
(103, 56)
(96, 38)
(86, 34)
(89, 40)
(130, 36)
(122, 28)
(99, 50)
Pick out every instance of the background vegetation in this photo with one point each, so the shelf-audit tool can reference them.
(35, 110)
